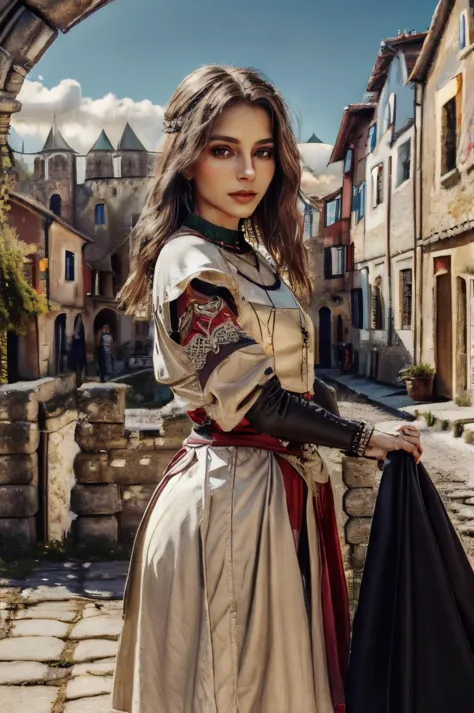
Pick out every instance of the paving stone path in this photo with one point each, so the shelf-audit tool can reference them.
(59, 631)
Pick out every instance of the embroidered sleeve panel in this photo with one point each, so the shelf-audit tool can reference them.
(208, 330)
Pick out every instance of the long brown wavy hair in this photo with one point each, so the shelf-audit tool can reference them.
(190, 115)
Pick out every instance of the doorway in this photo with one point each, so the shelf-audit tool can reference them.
(325, 345)
(461, 337)
(444, 334)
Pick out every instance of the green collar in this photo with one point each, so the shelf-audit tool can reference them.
(226, 238)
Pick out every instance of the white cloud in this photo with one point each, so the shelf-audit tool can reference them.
(319, 179)
(81, 119)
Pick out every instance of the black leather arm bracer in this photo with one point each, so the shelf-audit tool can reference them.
(291, 417)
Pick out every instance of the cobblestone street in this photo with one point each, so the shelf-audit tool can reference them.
(59, 626)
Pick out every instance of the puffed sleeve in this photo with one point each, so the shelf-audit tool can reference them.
(198, 297)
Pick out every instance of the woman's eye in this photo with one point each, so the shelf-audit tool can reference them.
(265, 153)
(221, 152)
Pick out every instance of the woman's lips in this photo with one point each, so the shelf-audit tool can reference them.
(243, 196)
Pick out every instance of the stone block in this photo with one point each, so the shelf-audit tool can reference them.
(17, 403)
(97, 528)
(135, 500)
(18, 501)
(103, 499)
(96, 437)
(92, 468)
(18, 437)
(358, 472)
(358, 530)
(19, 469)
(359, 554)
(102, 403)
(17, 536)
(137, 467)
(360, 502)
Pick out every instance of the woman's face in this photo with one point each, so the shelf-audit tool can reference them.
(235, 170)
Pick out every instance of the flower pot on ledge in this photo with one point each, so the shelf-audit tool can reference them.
(419, 381)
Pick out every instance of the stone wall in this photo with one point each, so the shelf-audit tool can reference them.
(117, 468)
(22, 428)
(359, 476)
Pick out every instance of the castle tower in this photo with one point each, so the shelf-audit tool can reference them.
(133, 155)
(54, 175)
(100, 159)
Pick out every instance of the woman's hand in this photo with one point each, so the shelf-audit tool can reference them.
(408, 439)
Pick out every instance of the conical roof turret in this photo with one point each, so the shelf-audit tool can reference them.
(130, 141)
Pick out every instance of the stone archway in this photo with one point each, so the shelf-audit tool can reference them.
(26, 32)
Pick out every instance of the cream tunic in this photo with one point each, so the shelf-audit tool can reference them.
(215, 616)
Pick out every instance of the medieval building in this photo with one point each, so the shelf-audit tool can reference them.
(104, 207)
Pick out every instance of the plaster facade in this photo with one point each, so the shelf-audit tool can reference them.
(445, 187)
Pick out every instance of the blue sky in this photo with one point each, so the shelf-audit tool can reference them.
(318, 53)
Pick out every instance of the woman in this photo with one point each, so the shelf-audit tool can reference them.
(77, 355)
(236, 598)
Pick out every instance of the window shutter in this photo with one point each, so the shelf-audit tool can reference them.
(327, 263)
(362, 192)
(350, 257)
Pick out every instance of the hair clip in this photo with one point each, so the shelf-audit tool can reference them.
(173, 125)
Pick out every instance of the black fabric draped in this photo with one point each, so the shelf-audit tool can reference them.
(413, 636)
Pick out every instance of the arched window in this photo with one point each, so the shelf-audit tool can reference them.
(100, 214)
(55, 204)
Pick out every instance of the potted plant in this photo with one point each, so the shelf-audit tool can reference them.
(419, 381)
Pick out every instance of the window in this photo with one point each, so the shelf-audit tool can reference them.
(449, 137)
(358, 201)
(333, 211)
(335, 261)
(55, 204)
(357, 308)
(403, 165)
(406, 294)
(377, 185)
(372, 138)
(389, 112)
(308, 220)
(100, 214)
(377, 311)
(462, 31)
(69, 266)
(348, 160)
